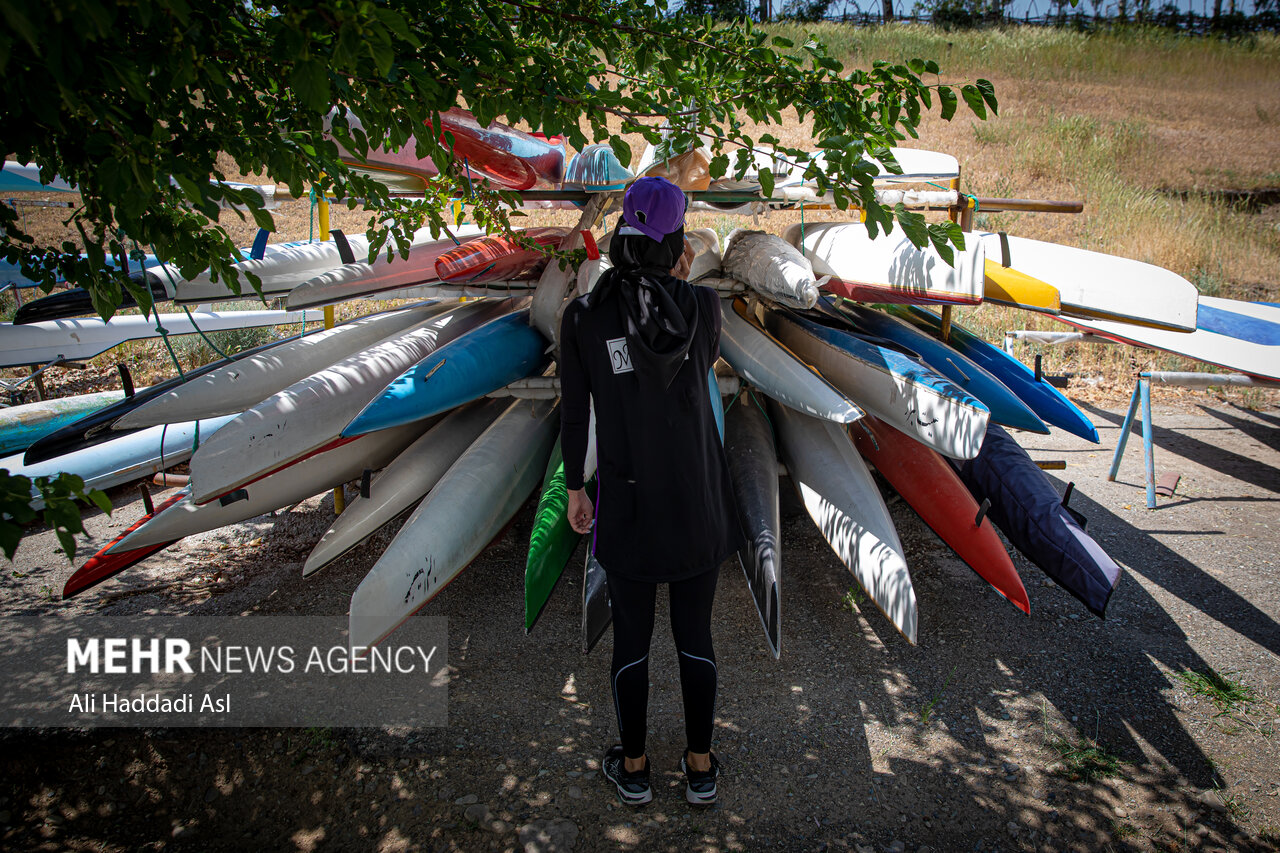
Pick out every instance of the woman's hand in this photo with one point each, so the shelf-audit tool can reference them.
(581, 512)
(682, 267)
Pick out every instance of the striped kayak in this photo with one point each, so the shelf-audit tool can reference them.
(763, 361)
(888, 268)
(1049, 404)
(352, 281)
(498, 257)
(928, 484)
(404, 481)
(22, 425)
(246, 382)
(753, 468)
(310, 414)
(897, 389)
(470, 504)
(1006, 408)
(844, 502)
(481, 361)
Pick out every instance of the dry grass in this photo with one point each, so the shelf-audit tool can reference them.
(1119, 120)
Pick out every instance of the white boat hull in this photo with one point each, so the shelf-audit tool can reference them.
(465, 510)
(844, 502)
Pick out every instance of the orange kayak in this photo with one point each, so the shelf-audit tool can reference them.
(931, 487)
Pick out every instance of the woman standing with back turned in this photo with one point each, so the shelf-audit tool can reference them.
(640, 345)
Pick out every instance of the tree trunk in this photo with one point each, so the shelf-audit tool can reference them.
(766, 12)
(1217, 9)
(886, 7)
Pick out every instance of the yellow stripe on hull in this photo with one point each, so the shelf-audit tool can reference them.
(1007, 286)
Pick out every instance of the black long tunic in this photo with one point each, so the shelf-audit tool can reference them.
(664, 509)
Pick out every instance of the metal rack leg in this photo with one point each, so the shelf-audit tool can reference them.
(1148, 451)
(1124, 432)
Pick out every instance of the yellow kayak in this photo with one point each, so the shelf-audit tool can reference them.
(1007, 286)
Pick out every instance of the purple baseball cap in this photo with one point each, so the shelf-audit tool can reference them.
(654, 207)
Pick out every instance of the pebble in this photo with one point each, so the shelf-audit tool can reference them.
(897, 846)
(501, 768)
(575, 793)
(181, 831)
(211, 794)
(1211, 800)
(589, 775)
(477, 813)
(1121, 813)
(467, 800)
(547, 836)
(574, 774)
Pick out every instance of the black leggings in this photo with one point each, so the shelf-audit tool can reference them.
(632, 603)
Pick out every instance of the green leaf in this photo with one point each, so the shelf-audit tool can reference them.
(766, 183)
(310, 81)
(621, 150)
(973, 98)
(68, 543)
(913, 225)
(988, 95)
(947, 101)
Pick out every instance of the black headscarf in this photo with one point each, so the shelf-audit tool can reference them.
(658, 310)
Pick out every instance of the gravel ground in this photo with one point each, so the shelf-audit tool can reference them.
(997, 732)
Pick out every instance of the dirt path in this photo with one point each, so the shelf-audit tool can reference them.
(853, 740)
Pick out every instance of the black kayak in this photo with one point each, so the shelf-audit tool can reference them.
(76, 302)
(96, 428)
(1027, 509)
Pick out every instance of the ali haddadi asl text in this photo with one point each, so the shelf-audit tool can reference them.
(148, 703)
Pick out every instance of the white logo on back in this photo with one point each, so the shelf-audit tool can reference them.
(619, 356)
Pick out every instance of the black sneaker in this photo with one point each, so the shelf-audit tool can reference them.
(633, 788)
(700, 788)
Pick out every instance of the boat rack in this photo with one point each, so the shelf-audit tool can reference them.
(1142, 394)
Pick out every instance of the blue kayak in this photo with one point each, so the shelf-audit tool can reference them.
(597, 169)
(481, 361)
(1006, 407)
(1045, 400)
(1027, 509)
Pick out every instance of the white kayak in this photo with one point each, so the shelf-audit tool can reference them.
(406, 479)
(1095, 286)
(888, 384)
(298, 482)
(889, 268)
(352, 281)
(78, 339)
(763, 361)
(311, 413)
(281, 269)
(129, 457)
(771, 266)
(1243, 336)
(248, 381)
(844, 502)
(706, 252)
(466, 509)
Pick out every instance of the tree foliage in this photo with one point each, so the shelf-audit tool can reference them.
(135, 101)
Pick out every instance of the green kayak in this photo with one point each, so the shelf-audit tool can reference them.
(552, 541)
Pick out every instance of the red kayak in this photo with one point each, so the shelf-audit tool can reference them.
(932, 488)
(498, 258)
(106, 564)
(503, 156)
